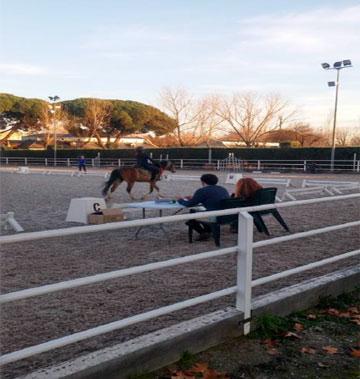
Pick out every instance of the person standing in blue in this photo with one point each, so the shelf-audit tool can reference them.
(209, 196)
(82, 163)
(147, 163)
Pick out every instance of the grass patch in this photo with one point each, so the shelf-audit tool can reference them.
(341, 302)
(187, 360)
(269, 325)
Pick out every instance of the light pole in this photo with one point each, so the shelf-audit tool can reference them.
(336, 66)
(53, 108)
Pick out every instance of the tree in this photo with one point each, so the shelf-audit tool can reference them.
(20, 114)
(196, 119)
(343, 136)
(250, 116)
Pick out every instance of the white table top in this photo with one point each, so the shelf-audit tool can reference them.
(155, 205)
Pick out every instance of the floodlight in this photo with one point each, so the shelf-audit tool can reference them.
(331, 84)
(325, 66)
(338, 64)
(347, 62)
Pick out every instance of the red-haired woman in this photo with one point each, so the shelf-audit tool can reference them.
(246, 188)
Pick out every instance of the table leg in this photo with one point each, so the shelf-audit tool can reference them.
(140, 227)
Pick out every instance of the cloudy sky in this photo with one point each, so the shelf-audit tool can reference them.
(131, 49)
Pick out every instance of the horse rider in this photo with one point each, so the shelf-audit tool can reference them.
(147, 163)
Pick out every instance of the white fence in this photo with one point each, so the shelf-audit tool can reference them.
(242, 289)
(229, 164)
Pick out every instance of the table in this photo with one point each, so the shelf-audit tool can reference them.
(160, 206)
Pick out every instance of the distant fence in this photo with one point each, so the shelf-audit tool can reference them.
(244, 266)
(231, 163)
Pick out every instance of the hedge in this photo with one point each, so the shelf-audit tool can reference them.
(310, 153)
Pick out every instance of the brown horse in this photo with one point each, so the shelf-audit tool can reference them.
(134, 174)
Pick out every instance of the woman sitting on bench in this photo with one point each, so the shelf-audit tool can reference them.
(246, 188)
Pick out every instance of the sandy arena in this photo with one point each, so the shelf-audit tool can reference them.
(41, 201)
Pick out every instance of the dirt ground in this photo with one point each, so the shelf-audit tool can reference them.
(318, 343)
(40, 202)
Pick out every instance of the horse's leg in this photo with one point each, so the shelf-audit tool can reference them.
(152, 186)
(113, 188)
(129, 188)
(158, 190)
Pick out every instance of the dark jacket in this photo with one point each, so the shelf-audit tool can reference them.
(208, 196)
(143, 160)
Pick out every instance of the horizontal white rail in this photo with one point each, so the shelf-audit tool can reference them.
(80, 336)
(31, 292)
(308, 233)
(310, 266)
(157, 220)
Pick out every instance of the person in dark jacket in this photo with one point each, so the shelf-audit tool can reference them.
(82, 163)
(147, 163)
(210, 196)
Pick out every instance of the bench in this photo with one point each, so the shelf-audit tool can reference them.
(291, 193)
(332, 185)
(262, 196)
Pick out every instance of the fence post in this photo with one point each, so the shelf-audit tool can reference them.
(68, 162)
(167, 157)
(119, 162)
(181, 163)
(354, 163)
(304, 166)
(258, 165)
(218, 165)
(46, 162)
(92, 162)
(358, 166)
(244, 267)
(160, 159)
(7, 160)
(25, 161)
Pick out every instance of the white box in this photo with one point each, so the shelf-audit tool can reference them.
(81, 207)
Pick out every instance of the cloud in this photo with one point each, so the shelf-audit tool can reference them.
(22, 69)
(316, 31)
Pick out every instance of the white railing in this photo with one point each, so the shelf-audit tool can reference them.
(203, 164)
(242, 289)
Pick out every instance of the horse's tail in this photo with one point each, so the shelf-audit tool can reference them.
(115, 175)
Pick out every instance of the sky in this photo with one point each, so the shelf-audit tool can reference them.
(124, 49)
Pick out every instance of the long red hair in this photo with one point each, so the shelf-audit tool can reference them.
(246, 188)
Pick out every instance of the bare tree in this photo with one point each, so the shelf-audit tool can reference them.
(183, 108)
(251, 116)
(196, 119)
(343, 136)
(97, 116)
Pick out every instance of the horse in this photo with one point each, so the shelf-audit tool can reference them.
(130, 175)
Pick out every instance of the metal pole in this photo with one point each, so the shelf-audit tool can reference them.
(54, 126)
(334, 126)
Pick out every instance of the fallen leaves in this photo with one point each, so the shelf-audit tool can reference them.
(298, 327)
(355, 353)
(322, 365)
(311, 316)
(291, 335)
(330, 350)
(199, 370)
(307, 350)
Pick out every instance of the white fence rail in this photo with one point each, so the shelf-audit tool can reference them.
(229, 164)
(242, 289)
